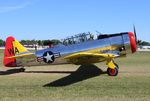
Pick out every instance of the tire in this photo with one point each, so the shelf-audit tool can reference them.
(112, 72)
(22, 69)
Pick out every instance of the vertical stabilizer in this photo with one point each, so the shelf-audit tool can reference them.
(12, 48)
(8, 52)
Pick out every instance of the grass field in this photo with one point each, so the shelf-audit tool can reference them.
(88, 83)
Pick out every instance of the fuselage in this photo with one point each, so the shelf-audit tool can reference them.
(119, 44)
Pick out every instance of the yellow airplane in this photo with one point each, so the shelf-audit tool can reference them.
(77, 50)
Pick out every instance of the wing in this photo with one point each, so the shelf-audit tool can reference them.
(86, 57)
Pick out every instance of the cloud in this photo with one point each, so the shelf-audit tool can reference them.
(13, 8)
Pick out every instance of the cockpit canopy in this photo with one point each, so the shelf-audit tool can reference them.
(79, 38)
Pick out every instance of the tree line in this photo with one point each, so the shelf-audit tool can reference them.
(2, 43)
(40, 42)
(143, 43)
(35, 42)
(56, 41)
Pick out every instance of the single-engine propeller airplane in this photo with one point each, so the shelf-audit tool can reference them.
(77, 50)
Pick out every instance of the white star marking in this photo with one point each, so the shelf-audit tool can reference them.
(48, 57)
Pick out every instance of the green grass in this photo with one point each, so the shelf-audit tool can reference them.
(132, 83)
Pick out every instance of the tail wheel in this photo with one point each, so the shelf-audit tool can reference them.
(112, 72)
(22, 69)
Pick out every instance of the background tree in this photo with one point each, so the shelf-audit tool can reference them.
(143, 43)
(55, 41)
(23, 42)
(2, 43)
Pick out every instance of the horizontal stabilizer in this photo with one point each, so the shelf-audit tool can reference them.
(23, 55)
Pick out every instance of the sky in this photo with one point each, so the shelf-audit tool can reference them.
(57, 19)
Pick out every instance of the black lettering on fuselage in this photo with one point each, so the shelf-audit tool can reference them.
(12, 51)
(16, 50)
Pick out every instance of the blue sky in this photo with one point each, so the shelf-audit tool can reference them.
(57, 19)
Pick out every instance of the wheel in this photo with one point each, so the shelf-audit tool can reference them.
(112, 72)
(22, 69)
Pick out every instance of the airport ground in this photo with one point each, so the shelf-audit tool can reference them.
(78, 83)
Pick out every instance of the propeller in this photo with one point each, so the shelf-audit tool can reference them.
(137, 42)
(135, 35)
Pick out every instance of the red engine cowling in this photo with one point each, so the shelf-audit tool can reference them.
(132, 42)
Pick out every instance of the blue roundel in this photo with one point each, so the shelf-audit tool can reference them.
(48, 57)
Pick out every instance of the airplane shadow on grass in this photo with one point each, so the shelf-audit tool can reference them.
(12, 71)
(82, 73)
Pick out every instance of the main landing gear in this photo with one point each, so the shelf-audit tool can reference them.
(112, 69)
(112, 72)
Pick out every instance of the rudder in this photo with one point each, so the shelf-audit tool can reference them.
(12, 47)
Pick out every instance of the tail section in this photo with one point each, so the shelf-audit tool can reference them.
(12, 48)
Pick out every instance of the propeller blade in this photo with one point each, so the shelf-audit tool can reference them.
(135, 34)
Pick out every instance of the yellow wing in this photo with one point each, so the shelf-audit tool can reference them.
(85, 57)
